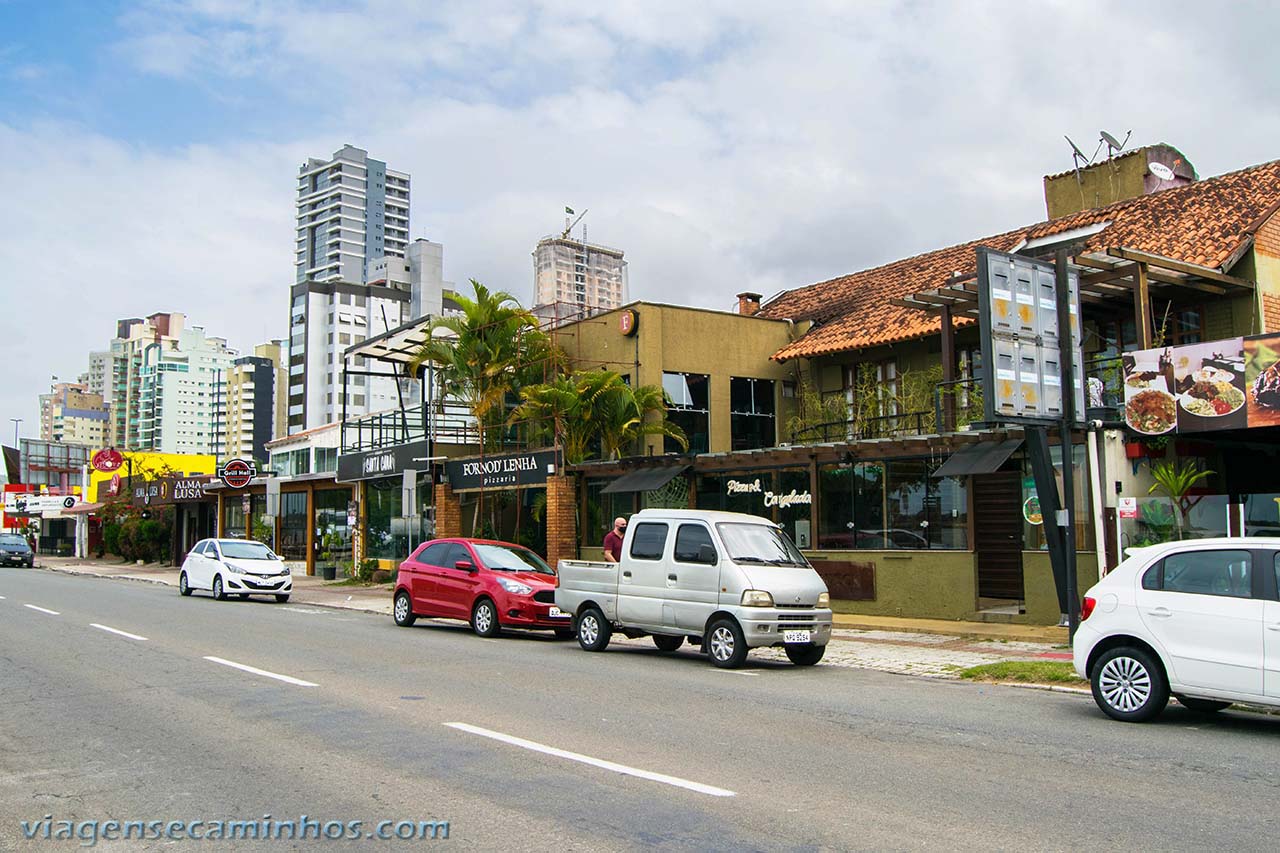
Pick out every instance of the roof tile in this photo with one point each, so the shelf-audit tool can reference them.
(1205, 223)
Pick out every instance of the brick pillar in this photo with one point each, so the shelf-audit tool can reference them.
(562, 519)
(448, 512)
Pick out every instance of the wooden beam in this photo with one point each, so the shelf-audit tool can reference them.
(948, 373)
(1109, 274)
(1154, 277)
(1142, 308)
(1195, 270)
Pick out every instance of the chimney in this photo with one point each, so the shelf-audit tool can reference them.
(748, 303)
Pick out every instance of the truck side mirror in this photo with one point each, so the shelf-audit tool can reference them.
(707, 554)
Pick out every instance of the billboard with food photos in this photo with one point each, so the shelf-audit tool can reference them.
(1203, 387)
(1262, 379)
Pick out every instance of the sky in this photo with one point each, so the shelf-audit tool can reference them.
(149, 150)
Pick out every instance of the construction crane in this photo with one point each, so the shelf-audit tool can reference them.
(564, 235)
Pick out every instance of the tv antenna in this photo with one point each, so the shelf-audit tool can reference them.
(1113, 145)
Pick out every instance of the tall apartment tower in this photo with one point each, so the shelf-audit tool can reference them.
(351, 209)
(573, 279)
(71, 413)
(251, 410)
(166, 381)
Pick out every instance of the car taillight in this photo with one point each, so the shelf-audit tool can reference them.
(1086, 607)
(556, 581)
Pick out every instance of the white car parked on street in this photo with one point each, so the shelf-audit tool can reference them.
(1198, 619)
(235, 567)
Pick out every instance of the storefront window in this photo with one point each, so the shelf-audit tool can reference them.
(293, 526)
(689, 409)
(751, 413)
(1262, 515)
(333, 535)
(233, 518)
(781, 496)
(387, 530)
(1033, 534)
(892, 505)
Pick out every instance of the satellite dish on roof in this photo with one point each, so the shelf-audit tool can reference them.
(1114, 145)
(1075, 151)
(1161, 171)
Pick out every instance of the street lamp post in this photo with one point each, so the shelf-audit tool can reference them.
(16, 421)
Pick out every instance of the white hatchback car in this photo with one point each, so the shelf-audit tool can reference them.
(235, 567)
(1198, 619)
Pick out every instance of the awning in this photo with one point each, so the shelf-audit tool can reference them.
(83, 509)
(984, 457)
(645, 479)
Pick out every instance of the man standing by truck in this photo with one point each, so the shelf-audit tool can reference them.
(613, 540)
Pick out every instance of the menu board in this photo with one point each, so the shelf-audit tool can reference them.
(1203, 387)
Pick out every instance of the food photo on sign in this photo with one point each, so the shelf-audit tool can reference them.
(1193, 388)
(1262, 379)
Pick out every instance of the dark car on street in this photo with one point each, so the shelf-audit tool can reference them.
(14, 551)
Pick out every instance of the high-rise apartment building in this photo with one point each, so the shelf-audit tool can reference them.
(251, 410)
(326, 318)
(573, 279)
(420, 273)
(351, 209)
(70, 413)
(166, 382)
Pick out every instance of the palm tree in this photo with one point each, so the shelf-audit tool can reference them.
(627, 416)
(594, 405)
(495, 345)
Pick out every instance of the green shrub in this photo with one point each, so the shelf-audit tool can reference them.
(111, 538)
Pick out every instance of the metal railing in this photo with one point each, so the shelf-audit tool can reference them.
(882, 426)
(450, 424)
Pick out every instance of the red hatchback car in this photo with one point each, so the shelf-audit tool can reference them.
(492, 585)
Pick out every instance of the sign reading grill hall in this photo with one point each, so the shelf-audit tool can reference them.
(505, 471)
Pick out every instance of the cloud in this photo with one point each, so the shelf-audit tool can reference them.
(724, 146)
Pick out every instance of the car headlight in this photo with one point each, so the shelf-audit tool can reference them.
(284, 570)
(515, 587)
(756, 598)
(824, 600)
(235, 570)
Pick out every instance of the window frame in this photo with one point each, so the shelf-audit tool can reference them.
(635, 538)
(1257, 590)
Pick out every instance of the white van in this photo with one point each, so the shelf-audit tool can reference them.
(726, 581)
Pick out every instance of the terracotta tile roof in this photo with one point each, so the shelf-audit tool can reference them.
(1208, 223)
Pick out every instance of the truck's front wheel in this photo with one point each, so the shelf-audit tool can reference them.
(726, 645)
(593, 631)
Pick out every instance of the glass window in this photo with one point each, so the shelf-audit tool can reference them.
(689, 541)
(435, 554)
(891, 505)
(457, 553)
(1208, 573)
(388, 533)
(758, 543)
(511, 559)
(751, 413)
(326, 459)
(293, 526)
(688, 409)
(648, 541)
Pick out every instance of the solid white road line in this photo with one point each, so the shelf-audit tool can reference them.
(116, 631)
(594, 762)
(253, 669)
(735, 672)
(43, 610)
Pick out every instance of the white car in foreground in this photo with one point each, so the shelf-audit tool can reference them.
(1198, 619)
(235, 567)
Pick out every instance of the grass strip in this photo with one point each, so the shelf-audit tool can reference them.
(1026, 672)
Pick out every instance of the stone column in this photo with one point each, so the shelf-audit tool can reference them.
(562, 519)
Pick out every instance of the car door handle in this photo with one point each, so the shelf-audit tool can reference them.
(672, 578)
(1161, 612)
(626, 574)
(1274, 626)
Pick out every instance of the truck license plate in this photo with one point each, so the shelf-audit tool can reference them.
(556, 611)
(795, 636)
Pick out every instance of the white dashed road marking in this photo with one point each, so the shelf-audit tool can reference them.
(253, 669)
(43, 610)
(116, 631)
(675, 781)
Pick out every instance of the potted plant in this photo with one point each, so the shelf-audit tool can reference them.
(1176, 479)
(330, 543)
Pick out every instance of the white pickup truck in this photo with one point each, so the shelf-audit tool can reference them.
(728, 582)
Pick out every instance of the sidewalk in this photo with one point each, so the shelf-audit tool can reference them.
(925, 647)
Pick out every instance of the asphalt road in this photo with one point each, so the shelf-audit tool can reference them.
(433, 723)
